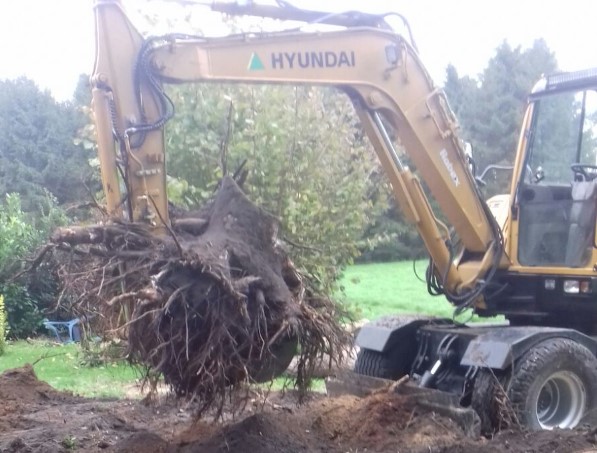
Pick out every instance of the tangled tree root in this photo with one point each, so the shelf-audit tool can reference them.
(215, 303)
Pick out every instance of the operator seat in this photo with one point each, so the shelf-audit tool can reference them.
(581, 232)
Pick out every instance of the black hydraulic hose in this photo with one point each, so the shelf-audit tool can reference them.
(466, 299)
(144, 73)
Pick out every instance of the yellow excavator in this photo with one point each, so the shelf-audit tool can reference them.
(529, 255)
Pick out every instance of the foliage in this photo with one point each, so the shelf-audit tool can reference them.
(21, 234)
(18, 235)
(40, 162)
(69, 443)
(23, 313)
(96, 352)
(390, 238)
(3, 326)
(305, 158)
(37, 153)
(490, 110)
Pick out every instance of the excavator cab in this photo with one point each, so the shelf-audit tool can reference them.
(556, 191)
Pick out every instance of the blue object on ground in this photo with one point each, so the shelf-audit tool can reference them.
(65, 331)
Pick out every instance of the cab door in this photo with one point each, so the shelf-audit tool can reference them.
(555, 196)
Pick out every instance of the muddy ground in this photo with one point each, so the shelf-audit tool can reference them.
(36, 418)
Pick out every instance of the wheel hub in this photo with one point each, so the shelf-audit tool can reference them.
(562, 401)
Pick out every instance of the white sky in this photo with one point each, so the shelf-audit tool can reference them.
(51, 41)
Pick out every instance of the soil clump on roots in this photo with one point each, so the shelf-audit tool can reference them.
(214, 303)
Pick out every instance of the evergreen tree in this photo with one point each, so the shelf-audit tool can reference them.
(490, 112)
(37, 152)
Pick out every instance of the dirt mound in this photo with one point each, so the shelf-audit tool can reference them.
(143, 441)
(21, 385)
(379, 423)
(36, 418)
(383, 422)
(20, 391)
(264, 432)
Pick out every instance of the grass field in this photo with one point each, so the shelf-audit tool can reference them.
(379, 289)
(60, 366)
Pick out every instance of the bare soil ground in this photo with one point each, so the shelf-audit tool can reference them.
(36, 418)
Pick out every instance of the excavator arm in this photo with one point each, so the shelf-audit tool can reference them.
(378, 69)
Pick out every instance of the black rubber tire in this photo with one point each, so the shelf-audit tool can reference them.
(538, 364)
(488, 390)
(375, 364)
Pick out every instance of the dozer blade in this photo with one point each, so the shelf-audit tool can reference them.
(348, 382)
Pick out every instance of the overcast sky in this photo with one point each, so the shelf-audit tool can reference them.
(51, 41)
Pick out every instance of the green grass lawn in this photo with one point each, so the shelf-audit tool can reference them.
(379, 289)
(60, 366)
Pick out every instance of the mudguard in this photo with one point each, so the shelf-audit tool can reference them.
(381, 334)
(499, 347)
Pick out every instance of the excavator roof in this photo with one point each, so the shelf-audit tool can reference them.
(565, 81)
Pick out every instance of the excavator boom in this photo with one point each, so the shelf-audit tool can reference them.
(378, 69)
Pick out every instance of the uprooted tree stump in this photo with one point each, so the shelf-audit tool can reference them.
(214, 303)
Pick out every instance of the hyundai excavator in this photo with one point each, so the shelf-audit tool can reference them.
(529, 255)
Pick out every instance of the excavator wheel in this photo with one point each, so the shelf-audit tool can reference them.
(489, 399)
(376, 364)
(553, 385)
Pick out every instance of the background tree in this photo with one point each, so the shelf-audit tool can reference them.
(490, 111)
(40, 168)
(37, 153)
(26, 297)
(305, 160)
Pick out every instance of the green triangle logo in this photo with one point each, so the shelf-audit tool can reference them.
(255, 64)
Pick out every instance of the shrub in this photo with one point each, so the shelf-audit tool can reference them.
(96, 352)
(20, 235)
(23, 314)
